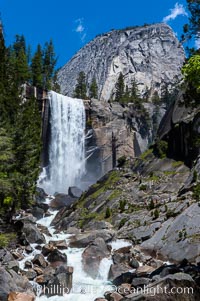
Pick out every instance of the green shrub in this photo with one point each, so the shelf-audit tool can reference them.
(122, 222)
(108, 212)
(196, 192)
(156, 214)
(121, 161)
(6, 238)
(161, 148)
(151, 205)
(143, 187)
(122, 205)
(195, 176)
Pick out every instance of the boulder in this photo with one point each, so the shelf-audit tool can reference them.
(83, 240)
(120, 273)
(62, 200)
(75, 192)
(114, 296)
(32, 234)
(93, 255)
(140, 281)
(16, 296)
(57, 256)
(12, 282)
(38, 212)
(30, 274)
(62, 278)
(40, 195)
(59, 244)
(47, 249)
(39, 260)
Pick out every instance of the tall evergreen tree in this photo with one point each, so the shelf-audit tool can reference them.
(93, 89)
(134, 91)
(37, 68)
(119, 94)
(80, 89)
(49, 63)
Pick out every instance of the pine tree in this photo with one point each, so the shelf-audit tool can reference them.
(80, 89)
(119, 94)
(22, 68)
(93, 89)
(37, 68)
(49, 63)
(2, 57)
(134, 91)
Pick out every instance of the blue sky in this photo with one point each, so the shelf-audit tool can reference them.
(71, 24)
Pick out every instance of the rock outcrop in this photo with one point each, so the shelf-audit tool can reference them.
(151, 55)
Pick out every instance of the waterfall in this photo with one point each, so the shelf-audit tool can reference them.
(67, 147)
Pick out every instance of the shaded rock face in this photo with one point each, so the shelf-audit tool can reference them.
(180, 127)
(151, 55)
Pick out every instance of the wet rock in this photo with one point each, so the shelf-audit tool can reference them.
(37, 212)
(57, 256)
(16, 296)
(62, 200)
(39, 260)
(73, 230)
(119, 273)
(93, 255)
(100, 299)
(141, 282)
(32, 234)
(114, 296)
(30, 274)
(40, 195)
(29, 249)
(47, 249)
(28, 264)
(124, 289)
(59, 244)
(61, 279)
(75, 192)
(83, 240)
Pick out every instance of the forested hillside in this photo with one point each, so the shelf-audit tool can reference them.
(20, 119)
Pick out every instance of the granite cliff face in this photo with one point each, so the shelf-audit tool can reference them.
(151, 55)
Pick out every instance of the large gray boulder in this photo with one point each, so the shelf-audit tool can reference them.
(93, 255)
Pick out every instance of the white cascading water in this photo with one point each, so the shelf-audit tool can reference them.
(67, 147)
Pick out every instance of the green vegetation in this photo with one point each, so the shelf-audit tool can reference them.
(143, 187)
(20, 119)
(108, 212)
(146, 154)
(81, 88)
(121, 161)
(161, 148)
(93, 89)
(156, 213)
(196, 192)
(177, 164)
(6, 238)
(122, 205)
(122, 222)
